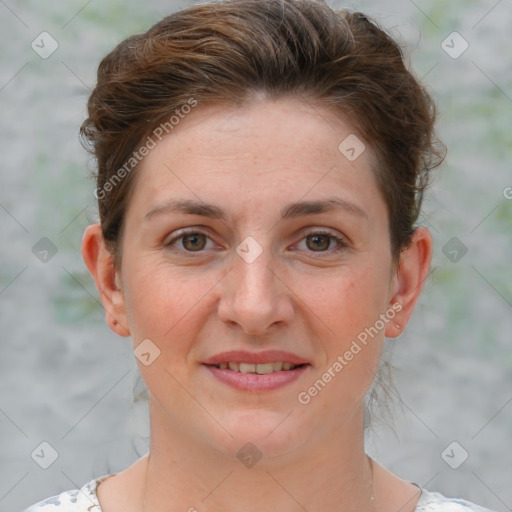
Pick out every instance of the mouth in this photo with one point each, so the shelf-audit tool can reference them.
(259, 369)
(256, 371)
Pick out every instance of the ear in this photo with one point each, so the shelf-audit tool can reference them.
(100, 263)
(410, 277)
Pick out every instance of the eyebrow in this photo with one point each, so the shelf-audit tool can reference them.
(290, 211)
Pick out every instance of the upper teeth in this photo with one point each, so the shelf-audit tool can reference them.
(257, 368)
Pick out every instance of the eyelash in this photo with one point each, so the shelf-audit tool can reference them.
(341, 242)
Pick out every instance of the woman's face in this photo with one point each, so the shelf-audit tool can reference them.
(250, 231)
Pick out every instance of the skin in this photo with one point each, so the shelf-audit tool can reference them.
(252, 161)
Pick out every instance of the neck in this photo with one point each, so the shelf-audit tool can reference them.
(182, 474)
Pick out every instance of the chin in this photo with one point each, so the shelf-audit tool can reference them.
(260, 432)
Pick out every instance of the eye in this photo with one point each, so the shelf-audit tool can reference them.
(322, 241)
(316, 241)
(191, 241)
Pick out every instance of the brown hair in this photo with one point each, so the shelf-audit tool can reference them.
(231, 50)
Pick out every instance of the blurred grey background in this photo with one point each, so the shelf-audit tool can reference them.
(66, 380)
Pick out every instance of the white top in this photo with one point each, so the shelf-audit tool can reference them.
(86, 500)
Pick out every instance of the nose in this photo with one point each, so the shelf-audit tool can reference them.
(255, 296)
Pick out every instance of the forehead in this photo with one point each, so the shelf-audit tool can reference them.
(267, 149)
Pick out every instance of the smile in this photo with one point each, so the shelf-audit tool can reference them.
(260, 369)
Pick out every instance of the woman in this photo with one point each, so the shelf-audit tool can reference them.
(261, 167)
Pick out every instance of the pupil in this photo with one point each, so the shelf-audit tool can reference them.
(194, 242)
(317, 242)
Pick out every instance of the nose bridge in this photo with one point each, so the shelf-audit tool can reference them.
(254, 280)
(254, 298)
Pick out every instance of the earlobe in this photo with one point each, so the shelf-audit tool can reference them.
(411, 274)
(100, 263)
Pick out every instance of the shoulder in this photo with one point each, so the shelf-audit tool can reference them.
(431, 501)
(76, 500)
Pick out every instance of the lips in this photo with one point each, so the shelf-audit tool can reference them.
(256, 371)
(260, 369)
(268, 356)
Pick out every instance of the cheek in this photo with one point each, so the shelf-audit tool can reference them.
(348, 302)
(350, 306)
(169, 310)
(165, 305)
